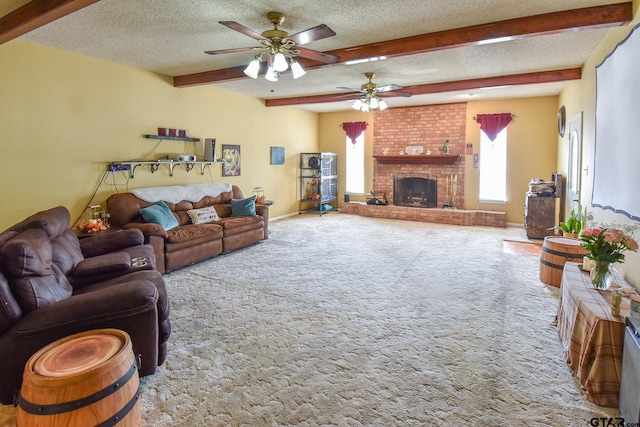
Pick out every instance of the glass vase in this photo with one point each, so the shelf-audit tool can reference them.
(601, 275)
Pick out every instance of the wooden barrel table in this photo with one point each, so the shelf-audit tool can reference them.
(86, 379)
(556, 251)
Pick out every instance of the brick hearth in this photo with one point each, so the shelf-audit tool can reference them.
(442, 216)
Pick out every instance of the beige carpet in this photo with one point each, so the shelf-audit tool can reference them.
(350, 321)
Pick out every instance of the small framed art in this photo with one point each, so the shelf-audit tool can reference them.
(231, 155)
(277, 155)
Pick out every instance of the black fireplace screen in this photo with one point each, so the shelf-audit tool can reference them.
(419, 191)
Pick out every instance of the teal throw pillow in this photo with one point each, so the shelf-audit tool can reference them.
(160, 214)
(244, 207)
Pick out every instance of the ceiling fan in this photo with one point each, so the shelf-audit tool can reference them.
(371, 94)
(278, 45)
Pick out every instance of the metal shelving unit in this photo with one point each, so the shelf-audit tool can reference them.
(318, 182)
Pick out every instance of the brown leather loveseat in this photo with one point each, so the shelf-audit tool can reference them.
(53, 285)
(190, 241)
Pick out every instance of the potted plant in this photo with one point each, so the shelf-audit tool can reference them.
(574, 224)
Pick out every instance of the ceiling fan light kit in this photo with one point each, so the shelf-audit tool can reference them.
(280, 48)
(370, 100)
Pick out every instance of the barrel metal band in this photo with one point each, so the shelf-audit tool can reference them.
(562, 254)
(549, 264)
(115, 419)
(59, 408)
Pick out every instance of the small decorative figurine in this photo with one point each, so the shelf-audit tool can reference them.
(446, 149)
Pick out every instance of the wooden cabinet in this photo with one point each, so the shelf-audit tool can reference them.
(539, 216)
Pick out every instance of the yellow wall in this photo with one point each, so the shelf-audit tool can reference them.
(579, 97)
(333, 139)
(531, 150)
(65, 116)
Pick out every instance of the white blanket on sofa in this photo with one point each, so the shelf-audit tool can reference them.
(176, 193)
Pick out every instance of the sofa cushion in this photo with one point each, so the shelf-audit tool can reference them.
(194, 231)
(244, 207)
(34, 279)
(203, 215)
(160, 214)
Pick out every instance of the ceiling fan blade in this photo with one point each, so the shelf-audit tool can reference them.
(242, 29)
(347, 96)
(237, 49)
(387, 88)
(349, 89)
(312, 34)
(317, 56)
(394, 94)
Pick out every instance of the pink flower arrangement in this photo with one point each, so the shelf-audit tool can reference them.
(607, 245)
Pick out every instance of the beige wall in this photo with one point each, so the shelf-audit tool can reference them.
(65, 116)
(579, 97)
(332, 139)
(531, 150)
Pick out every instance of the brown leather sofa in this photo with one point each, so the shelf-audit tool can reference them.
(53, 285)
(189, 243)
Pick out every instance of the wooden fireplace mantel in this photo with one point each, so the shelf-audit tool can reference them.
(434, 159)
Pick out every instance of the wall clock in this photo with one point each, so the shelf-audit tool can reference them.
(562, 120)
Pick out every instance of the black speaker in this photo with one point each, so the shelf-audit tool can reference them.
(209, 150)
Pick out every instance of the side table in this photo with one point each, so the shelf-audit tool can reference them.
(592, 338)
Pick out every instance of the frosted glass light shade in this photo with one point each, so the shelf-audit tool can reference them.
(252, 69)
(271, 75)
(382, 105)
(357, 104)
(296, 69)
(280, 62)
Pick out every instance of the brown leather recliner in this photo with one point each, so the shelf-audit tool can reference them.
(53, 285)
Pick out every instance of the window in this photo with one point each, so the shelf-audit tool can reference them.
(355, 165)
(493, 168)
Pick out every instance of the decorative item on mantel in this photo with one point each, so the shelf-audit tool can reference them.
(446, 149)
(606, 247)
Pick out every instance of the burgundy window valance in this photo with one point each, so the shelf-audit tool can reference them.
(492, 124)
(354, 130)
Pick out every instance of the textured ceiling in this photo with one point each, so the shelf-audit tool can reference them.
(170, 37)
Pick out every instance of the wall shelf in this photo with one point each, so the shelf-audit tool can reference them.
(155, 164)
(434, 159)
(172, 138)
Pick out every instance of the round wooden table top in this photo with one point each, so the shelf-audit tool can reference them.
(78, 355)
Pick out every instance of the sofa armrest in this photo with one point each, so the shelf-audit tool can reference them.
(263, 211)
(129, 306)
(103, 264)
(148, 229)
(118, 301)
(110, 242)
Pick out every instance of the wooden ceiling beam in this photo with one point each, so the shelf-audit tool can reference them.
(35, 14)
(486, 82)
(548, 23)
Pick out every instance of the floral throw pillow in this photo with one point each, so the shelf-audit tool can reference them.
(204, 215)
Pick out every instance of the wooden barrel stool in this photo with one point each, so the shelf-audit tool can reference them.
(556, 251)
(86, 379)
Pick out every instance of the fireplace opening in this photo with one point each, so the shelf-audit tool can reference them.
(415, 190)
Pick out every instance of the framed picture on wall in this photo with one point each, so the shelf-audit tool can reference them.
(277, 155)
(231, 155)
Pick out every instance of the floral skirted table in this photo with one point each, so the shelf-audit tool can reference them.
(591, 336)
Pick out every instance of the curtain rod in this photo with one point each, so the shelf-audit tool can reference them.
(512, 115)
(340, 125)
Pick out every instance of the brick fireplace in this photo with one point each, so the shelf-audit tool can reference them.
(428, 127)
